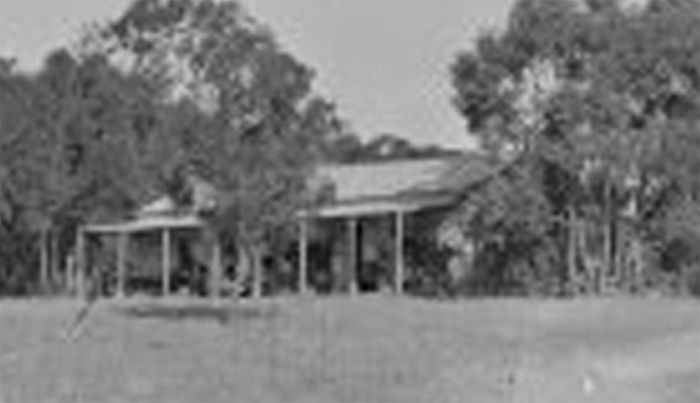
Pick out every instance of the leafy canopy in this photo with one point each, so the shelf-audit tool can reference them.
(263, 130)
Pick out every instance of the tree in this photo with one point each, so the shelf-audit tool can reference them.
(78, 144)
(593, 96)
(348, 148)
(15, 117)
(264, 128)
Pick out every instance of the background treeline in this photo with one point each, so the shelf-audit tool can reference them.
(592, 106)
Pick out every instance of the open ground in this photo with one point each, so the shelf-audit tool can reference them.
(367, 349)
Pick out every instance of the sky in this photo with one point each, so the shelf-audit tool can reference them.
(385, 63)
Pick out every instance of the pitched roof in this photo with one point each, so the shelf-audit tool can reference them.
(359, 189)
(399, 185)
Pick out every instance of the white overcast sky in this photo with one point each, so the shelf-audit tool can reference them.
(384, 62)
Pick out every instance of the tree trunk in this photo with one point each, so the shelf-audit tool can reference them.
(609, 241)
(637, 263)
(244, 265)
(637, 258)
(81, 263)
(54, 268)
(608, 247)
(216, 268)
(589, 259)
(585, 258)
(69, 275)
(605, 261)
(572, 242)
(44, 261)
(257, 266)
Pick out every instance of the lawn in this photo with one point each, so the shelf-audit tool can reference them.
(366, 349)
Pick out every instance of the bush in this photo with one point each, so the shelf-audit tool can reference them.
(691, 279)
(18, 263)
(426, 268)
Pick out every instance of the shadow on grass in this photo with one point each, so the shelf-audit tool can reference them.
(223, 313)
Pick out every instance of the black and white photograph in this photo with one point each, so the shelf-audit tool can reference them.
(349, 201)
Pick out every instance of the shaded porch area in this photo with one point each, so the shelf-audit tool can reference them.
(364, 247)
(168, 232)
(392, 193)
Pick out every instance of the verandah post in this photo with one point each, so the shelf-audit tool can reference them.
(303, 255)
(122, 246)
(353, 260)
(399, 250)
(165, 269)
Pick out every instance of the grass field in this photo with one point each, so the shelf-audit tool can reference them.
(368, 349)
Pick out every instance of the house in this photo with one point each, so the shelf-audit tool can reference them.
(392, 189)
(351, 193)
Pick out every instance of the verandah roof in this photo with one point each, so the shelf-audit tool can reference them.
(147, 223)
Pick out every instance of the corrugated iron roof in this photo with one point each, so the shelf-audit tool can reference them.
(394, 178)
(399, 185)
(357, 190)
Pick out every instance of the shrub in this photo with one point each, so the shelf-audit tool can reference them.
(691, 279)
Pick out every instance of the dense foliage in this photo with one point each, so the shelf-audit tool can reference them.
(74, 147)
(596, 104)
(169, 87)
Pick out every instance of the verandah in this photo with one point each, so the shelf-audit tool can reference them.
(394, 189)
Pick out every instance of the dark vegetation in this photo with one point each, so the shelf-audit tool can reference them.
(596, 104)
(591, 105)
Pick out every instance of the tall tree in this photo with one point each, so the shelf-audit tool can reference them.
(265, 128)
(72, 147)
(593, 95)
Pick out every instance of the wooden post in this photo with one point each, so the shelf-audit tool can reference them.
(122, 246)
(303, 258)
(352, 258)
(399, 250)
(215, 269)
(165, 262)
(80, 263)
